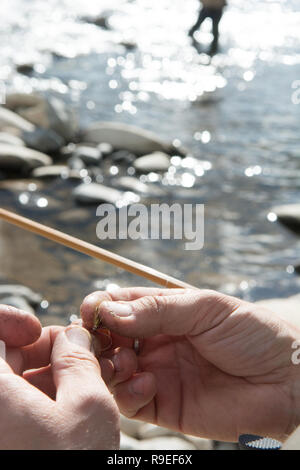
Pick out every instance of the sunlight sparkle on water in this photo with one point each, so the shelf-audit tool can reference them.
(272, 217)
(165, 63)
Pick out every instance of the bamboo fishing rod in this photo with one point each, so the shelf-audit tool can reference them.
(92, 250)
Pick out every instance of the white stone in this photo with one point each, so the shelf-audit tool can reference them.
(129, 443)
(6, 138)
(50, 171)
(156, 161)
(89, 155)
(131, 427)
(200, 443)
(150, 431)
(10, 119)
(125, 137)
(166, 443)
(130, 183)
(7, 290)
(288, 215)
(93, 192)
(13, 157)
(51, 113)
(17, 302)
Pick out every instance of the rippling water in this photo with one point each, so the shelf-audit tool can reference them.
(234, 110)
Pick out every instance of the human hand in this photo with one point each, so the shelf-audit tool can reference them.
(210, 365)
(81, 413)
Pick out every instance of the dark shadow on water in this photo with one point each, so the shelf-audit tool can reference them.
(211, 51)
(199, 47)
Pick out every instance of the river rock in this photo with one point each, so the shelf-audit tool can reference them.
(123, 156)
(25, 68)
(162, 443)
(12, 131)
(94, 193)
(7, 290)
(68, 150)
(105, 148)
(126, 137)
(200, 443)
(289, 215)
(51, 171)
(129, 45)
(51, 113)
(135, 432)
(20, 184)
(3, 176)
(131, 427)
(17, 302)
(75, 163)
(101, 20)
(157, 161)
(288, 308)
(9, 119)
(89, 155)
(151, 431)
(21, 158)
(166, 443)
(6, 138)
(129, 443)
(44, 140)
(130, 183)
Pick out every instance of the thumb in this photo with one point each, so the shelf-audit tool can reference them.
(190, 313)
(76, 372)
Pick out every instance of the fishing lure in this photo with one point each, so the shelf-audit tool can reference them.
(98, 331)
(102, 333)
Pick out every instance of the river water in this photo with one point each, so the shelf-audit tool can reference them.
(235, 111)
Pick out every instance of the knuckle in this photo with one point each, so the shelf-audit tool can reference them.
(156, 307)
(153, 304)
(76, 360)
(209, 296)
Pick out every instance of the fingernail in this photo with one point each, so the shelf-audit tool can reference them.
(91, 303)
(118, 309)
(79, 336)
(137, 386)
(2, 350)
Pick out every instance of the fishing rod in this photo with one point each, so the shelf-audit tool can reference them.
(92, 250)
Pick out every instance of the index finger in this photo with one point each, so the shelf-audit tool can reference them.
(38, 355)
(18, 328)
(90, 306)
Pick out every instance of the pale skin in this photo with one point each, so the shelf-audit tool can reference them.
(209, 365)
(63, 403)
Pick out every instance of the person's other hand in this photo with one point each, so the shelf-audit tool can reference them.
(210, 365)
(81, 413)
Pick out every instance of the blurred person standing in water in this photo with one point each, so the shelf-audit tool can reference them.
(211, 9)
